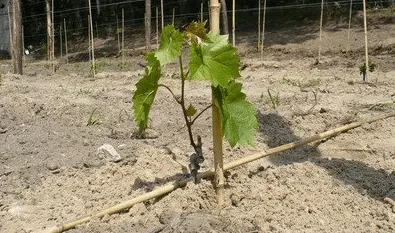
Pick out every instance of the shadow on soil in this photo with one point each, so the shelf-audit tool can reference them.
(377, 184)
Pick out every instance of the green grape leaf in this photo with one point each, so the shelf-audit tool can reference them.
(195, 32)
(214, 60)
(239, 120)
(170, 47)
(191, 110)
(146, 90)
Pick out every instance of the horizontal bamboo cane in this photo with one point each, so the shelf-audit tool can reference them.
(178, 184)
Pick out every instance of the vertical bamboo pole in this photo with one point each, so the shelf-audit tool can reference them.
(49, 30)
(216, 119)
(349, 28)
(161, 14)
(259, 24)
(157, 27)
(61, 40)
(365, 25)
(263, 28)
(89, 41)
(10, 29)
(92, 41)
(123, 36)
(23, 43)
(320, 38)
(65, 41)
(233, 23)
(119, 40)
(201, 12)
(147, 25)
(53, 34)
(174, 14)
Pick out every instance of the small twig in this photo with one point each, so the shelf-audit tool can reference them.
(172, 93)
(198, 115)
(315, 102)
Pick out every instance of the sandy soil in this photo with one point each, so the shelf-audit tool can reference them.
(50, 171)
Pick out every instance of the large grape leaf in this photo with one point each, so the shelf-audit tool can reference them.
(170, 47)
(146, 90)
(214, 60)
(239, 121)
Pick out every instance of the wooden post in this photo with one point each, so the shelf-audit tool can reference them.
(349, 28)
(123, 36)
(92, 41)
(147, 25)
(89, 41)
(53, 34)
(216, 119)
(320, 38)
(65, 41)
(225, 26)
(259, 24)
(49, 31)
(263, 28)
(61, 40)
(365, 25)
(157, 27)
(201, 12)
(161, 13)
(234, 23)
(119, 39)
(16, 48)
(23, 44)
(174, 14)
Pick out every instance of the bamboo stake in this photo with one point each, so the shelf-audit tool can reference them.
(65, 41)
(349, 28)
(10, 29)
(263, 28)
(259, 24)
(23, 43)
(319, 42)
(365, 25)
(61, 40)
(53, 36)
(89, 42)
(157, 27)
(216, 119)
(201, 12)
(174, 13)
(92, 41)
(233, 23)
(123, 36)
(119, 40)
(161, 14)
(179, 184)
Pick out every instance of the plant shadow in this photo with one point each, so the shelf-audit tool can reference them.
(376, 183)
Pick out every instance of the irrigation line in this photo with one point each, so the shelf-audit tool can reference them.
(178, 184)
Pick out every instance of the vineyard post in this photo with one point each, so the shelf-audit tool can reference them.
(10, 27)
(365, 25)
(320, 38)
(123, 36)
(349, 28)
(157, 27)
(89, 42)
(216, 118)
(201, 12)
(147, 25)
(65, 41)
(161, 14)
(174, 14)
(119, 39)
(92, 41)
(263, 27)
(61, 40)
(16, 46)
(233, 23)
(259, 24)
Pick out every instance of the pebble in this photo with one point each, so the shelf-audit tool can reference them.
(108, 152)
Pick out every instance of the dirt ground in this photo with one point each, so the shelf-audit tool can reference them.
(50, 171)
